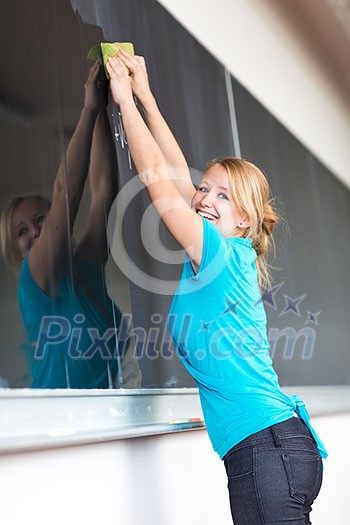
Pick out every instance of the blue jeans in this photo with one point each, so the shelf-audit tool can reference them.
(274, 476)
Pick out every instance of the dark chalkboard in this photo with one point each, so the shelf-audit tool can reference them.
(312, 252)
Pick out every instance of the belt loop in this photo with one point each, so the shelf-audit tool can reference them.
(275, 436)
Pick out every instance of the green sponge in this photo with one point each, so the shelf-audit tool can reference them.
(102, 51)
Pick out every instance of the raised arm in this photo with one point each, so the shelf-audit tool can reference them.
(157, 125)
(49, 254)
(180, 219)
(103, 183)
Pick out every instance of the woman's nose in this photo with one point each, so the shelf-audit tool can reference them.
(35, 231)
(207, 200)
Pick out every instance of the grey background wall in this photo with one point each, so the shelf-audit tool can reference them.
(312, 252)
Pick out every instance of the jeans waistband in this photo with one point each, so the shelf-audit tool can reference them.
(293, 427)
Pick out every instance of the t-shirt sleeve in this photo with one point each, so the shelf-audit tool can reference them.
(28, 289)
(213, 253)
(219, 252)
(33, 302)
(236, 252)
(214, 246)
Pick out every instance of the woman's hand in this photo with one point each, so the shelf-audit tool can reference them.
(138, 75)
(120, 82)
(96, 92)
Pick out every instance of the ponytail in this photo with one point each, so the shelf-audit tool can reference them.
(262, 243)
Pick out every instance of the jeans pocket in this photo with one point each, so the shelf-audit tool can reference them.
(304, 470)
(244, 504)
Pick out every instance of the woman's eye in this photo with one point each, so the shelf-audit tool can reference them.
(203, 189)
(22, 231)
(223, 196)
(40, 219)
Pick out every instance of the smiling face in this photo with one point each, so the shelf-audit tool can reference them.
(213, 200)
(27, 220)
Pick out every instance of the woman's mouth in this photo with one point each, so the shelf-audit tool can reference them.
(207, 215)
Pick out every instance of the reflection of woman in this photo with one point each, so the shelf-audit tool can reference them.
(62, 298)
(271, 457)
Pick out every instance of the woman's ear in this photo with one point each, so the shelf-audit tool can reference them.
(244, 223)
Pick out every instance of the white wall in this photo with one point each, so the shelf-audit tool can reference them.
(263, 49)
(332, 506)
(173, 479)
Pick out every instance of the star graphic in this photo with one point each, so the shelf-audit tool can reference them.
(205, 326)
(292, 305)
(268, 295)
(231, 306)
(312, 318)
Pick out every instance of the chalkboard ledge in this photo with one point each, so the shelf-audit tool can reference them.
(42, 419)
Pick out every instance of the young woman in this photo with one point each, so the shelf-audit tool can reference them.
(62, 297)
(272, 458)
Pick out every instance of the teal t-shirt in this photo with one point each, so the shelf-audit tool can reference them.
(71, 338)
(218, 324)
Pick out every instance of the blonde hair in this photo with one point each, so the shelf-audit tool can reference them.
(250, 191)
(8, 245)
